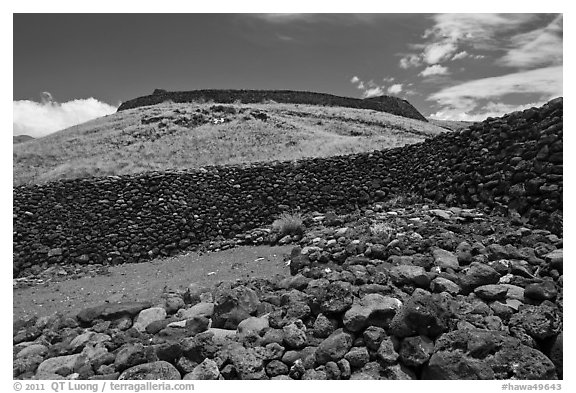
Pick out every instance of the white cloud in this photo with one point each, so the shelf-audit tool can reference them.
(491, 109)
(537, 47)
(373, 92)
(409, 61)
(456, 36)
(546, 81)
(373, 89)
(283, 37)
(435, 69)
(460, 55)
(475, 28)
(395, 89)
(284, 17)
(462, 101)
(438, 52)
(42, 118)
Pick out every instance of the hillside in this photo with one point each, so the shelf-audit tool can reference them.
(21, 138)
(451, 125)
(183, 136)
(388, 104)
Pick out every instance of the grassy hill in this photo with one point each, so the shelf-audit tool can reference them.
(180, 136)
(21, 138)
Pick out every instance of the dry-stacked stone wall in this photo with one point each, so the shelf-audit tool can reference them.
(513, 162)
(394, 105)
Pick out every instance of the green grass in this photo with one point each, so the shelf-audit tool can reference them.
(121, 144)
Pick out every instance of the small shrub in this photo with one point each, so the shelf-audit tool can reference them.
(381, 233)
(403, 200)
(381, 229)
(289, 224)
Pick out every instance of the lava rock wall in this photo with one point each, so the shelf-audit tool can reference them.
(388, 104)
(513, 162)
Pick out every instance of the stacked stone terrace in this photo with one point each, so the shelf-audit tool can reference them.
(513, 162)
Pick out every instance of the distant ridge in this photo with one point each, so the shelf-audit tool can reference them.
(389, 104)
(21, 138)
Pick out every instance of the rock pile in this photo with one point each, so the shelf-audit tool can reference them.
(406, 292)
(512, 164)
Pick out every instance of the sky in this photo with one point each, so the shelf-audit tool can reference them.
(70, 68)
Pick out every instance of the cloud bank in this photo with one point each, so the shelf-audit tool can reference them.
(537, 47)
(39, 119)
(473, 100)
(458, 36)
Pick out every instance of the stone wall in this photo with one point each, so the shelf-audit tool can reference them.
(388, 104)
(511, 162)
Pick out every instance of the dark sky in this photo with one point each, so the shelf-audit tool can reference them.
(118, 57)
(448, 66)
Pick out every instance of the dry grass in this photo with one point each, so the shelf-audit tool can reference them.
(121, 144)
(289, 223)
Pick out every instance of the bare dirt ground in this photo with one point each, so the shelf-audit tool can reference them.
(147, 280)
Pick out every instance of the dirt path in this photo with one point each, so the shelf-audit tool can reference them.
(146, 281)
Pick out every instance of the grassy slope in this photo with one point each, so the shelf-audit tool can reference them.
(21, 138)
(452, 125)
(122, 144)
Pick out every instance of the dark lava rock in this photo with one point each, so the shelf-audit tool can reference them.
(441, 284)
(557, 354)
(445, 259)
(357, 357)
(484, 354)
(386, 353)
(373, 309)
(539, 322)
(312, 374)
(373, 336)
(294, 337)
(555, 259)
(323, 326)
(491, 292)
(148, 371)
(297, 370)
(409, 274)
(334, 347)
(275, 368)
(200, 347)
(478, 274)
(130, 355)
(371, 371)
(399, 372)
(205, 371)
(232, 306)
(338, 299)
(112, 311)
(541, 291)
(248, 362)
(332, 370)
(423, 314)
(415, 351)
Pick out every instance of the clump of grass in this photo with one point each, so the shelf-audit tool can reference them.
(381, 233)
(380, 229)
(403, 200)
(289, 223)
